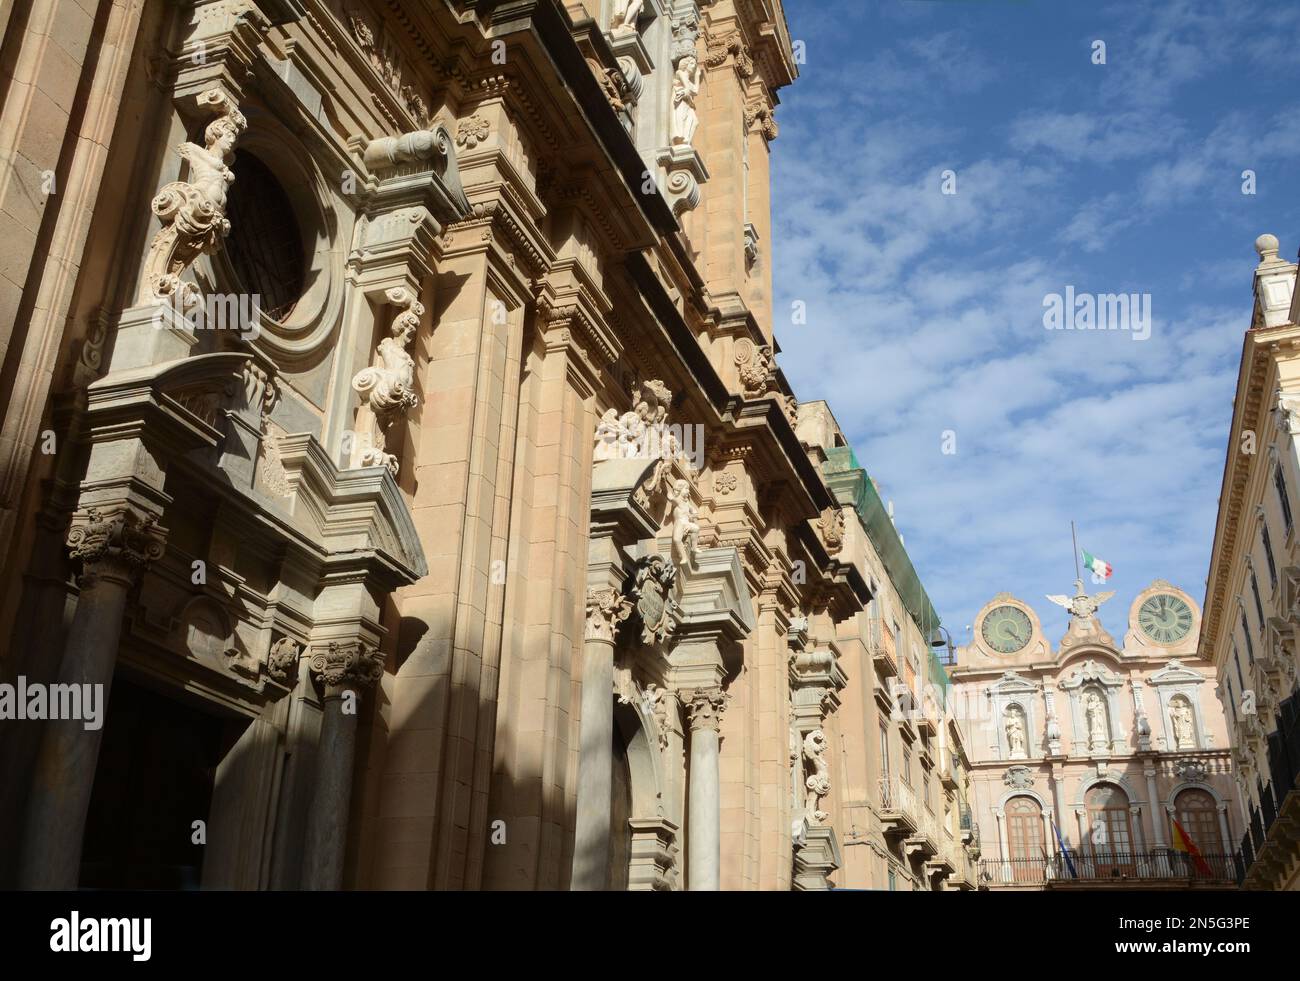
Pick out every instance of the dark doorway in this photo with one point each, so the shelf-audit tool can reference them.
(154, 780)
(620, 813)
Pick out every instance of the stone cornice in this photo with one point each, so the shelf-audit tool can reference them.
(1260, 350)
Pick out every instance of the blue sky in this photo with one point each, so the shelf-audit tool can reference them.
(925, 310)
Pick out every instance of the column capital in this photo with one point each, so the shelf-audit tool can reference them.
(705, 706)
(606, 609)
(350, 665)
(115, 543)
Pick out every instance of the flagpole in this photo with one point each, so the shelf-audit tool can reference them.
(1075, 539)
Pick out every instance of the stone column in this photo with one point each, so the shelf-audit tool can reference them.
(344, 671)
(1058, 792)
(115, 547)
(999, 815)
(1228, 848)
(606, 608)
(1157, 825)
(703, 825)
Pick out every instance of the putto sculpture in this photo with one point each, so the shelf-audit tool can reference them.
(193, 212)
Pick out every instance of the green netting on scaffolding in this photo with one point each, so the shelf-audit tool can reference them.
(851, 485)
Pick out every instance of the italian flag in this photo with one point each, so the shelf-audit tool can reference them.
(1183, 843)
(1097, 566)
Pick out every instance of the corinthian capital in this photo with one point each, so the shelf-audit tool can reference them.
(116, 543)
(351, 665)
(705, 706)
(606, 609)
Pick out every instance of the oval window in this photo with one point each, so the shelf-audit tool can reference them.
(264, 245)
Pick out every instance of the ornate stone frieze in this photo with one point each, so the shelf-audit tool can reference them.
(120, 542)
(724, 483)
(652, 590)
(686, 33)
(705, 708)
(347, 665)
(385, 57)
(761, 113)
(282, 661)
(387, 387)
(606, 609)
(192, 212)
(1194, 770)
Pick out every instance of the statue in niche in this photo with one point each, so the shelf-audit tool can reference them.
(1094, 710)
(682, 511)
(1015, 724)
(193, 212)
(1180, 714)
(625, 16)
(387, 389)
(686, 88)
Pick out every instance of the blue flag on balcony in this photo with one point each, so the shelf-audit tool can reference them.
(1069, 862)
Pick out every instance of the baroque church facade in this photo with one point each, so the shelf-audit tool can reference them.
(1089, 756)
(395, 438)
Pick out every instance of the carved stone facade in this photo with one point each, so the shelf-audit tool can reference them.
(498, 510)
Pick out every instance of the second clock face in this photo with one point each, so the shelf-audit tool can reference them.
(1165, 618)
(1006, 629)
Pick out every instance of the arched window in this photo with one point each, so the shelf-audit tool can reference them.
(265, 245)
(1110, 829)
(1198, 814)
(1025, 845)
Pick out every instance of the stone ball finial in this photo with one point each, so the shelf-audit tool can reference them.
(1266, 245)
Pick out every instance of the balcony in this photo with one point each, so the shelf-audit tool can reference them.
(898, 810)
(1109, 871)
(1274, 837)
(925, 841)
(884, 652)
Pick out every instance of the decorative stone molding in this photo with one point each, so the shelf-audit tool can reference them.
(1018, 778)
(686, 33)
(606, 609)
(387, 387)
(472, 131)
(346, 665)
(118, 543)
(832, 528)
(386, 60)
(724, 483)
(705, 707)
(729, 44)
(626, 436)
(193, 212)
(282, 661)
(757, 366)
(761, 113)
(652, 591)
(1191, 770)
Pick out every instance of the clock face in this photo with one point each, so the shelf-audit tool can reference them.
(1006, 629)
(1165, 618)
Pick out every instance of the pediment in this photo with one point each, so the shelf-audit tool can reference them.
(1176, 673)
(1090, 670)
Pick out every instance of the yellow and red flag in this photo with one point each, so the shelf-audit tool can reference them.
(1183, 843)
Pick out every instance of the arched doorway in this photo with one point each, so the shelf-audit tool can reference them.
(1110, 833)
(1025, 844)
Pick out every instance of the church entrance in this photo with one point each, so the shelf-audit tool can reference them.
(154, 780)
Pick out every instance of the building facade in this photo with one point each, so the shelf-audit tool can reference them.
(1086, 756)
(395, 445)
(1252, 592)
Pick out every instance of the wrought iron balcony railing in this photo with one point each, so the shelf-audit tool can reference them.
(1113, 867)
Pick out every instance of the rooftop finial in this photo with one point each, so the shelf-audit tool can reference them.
(1266, 245)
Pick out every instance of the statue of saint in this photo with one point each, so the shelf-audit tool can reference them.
(1180, 714)
(1015, 733)
(686, 87)
(1095, 713)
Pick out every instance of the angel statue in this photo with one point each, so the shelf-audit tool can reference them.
(681, 509)
(626, 14)
(1081, 605)
(193, 212)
